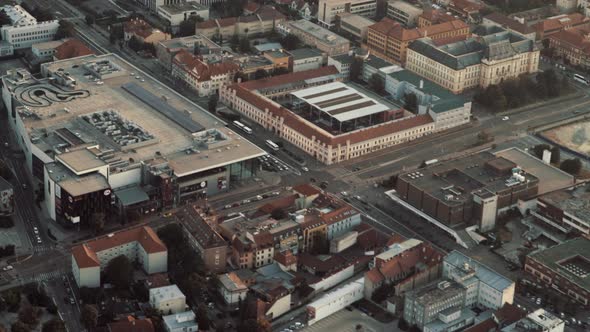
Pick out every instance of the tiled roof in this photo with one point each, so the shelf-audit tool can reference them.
(72, 48)
(322, 264)
(226, 22)
(132, 325)
(85, 254)
(561, 22)
(289, 78)
(504, 316)
(466, 6)
(395, 30)
(280, 203)
(307, 189)
(251, 6)
(139, 27)
(573, 39)
(286, 257)
(436, 16)
(201, 70)
(509, 23)
(208, 24)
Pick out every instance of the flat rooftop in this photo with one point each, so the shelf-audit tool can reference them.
(123, 110)
(73, 184)
(340, 101)
(356, 21)
(321, 34)
(436, 292)
(179, 8)
(575, 201)
(455, 180)
(305, 53)
(551, 178)
(571, 259)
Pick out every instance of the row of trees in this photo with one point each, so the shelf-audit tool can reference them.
(521, 91)
(7, 250)
(572, 166)
(240, 44)
(6, 222)
(138, 45)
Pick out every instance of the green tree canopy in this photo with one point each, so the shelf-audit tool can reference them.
(291, 42)
(571, 166)
(119, 272)
(89, 316)
(54, 325)
(64, 30)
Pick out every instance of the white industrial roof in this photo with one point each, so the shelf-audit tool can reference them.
(340, 101)
(339, 292)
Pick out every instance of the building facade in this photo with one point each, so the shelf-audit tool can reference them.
(143, 31)
(24, 30)
(316, 36)
(6, 197)
(489, 59)
(329, 9)
(561, 268)
(403, 12)
(181, 322)
(389, 40)
(177, 13)
(138, 244)
(168, 299)
(572, 45)
(306, 59)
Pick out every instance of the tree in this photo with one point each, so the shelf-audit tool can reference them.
(19, 326)
(54, 325)
(290, 42)
(212, 104)
(89, 316)
(90, 19)
(202, 318)
(4, 19)
(240, 77)
(376, 83)
(356, 68)
(382, 292)
(260, 74)
(248, 325)
(12, 299)
(571, 166)
(135, 44)
(188, 26)
(244, 45)
(483, 136)
(402, 324)
(5, 171)
(234, 42)
(119, 272)
(64, 30)
(539, 148)
(411, 102)
(30, 315)
(279, 214)
(97, 221)
(555, 155)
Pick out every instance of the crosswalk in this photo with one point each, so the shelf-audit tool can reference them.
(43, 248)
(44, 276)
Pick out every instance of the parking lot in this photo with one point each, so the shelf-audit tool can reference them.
(347, 321)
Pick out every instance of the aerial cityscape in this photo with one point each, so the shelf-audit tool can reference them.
(294, 165)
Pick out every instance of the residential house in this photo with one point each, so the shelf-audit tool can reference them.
(143, 31)
(168, 299)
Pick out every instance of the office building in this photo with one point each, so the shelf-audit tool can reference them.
(168, 299)
(181, 322)
(265, 20)
(329, 9)
(306, 59)
(24, 29)
(139, 244)
(509, 24)
(485, 288)
(389, 40)
(175, 14)
(167, 50)
(403, 12)
(432, 16)
(563, 268)
(493, 56)
(555, 24)
(157, 141)
(572, 45)
(355, 25)
(335, 301)
(316, 36)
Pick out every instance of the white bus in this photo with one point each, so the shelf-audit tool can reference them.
(247, 130)
(238, 124)
(272, 145)
(580, 78)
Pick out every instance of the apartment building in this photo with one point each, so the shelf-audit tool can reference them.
(389, 40)
(175, 14)
(572, 45)
(265, 20)
(143, 31)
(168, 299)
(316, 36)
(509, 24)
(355, 25)
(306, 59)
(403, 12)
(204, 78)
(166, 50)
(328, 9)
(432, 16)
(139, 244)
(555, 24)
(24, 29)
(563, 268)
(494, 56)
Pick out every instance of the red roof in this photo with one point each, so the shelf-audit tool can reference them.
(289, 78)
(575, 39)
(251, 7)
(72, 48)
(306, 189)
(286, 258)
(395, 30)
(279, 203)
(508, 314)
(200, 70)
(132, 325)
(435, 16)
(139, 27)
(85, 254)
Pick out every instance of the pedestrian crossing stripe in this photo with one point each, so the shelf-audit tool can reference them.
(46, 276)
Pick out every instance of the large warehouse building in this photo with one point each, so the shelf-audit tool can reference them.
(102, 136)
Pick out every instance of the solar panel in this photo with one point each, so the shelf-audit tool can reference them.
(163, 108)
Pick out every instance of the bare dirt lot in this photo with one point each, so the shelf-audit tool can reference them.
(575, 136)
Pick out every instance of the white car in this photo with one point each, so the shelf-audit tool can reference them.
(7, 268)
(505, 118)
(305, 169)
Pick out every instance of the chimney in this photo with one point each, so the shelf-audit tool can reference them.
(421, 84)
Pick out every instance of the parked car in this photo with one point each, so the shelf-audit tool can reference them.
(7, 268)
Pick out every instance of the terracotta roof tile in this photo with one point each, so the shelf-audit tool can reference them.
(307, 189)
(436, 16)
(395, 30)
(466, 6)
(279, 203)
(289, 78)
(139, 27)
(85, 254)
(201, 70)
(251, 6)
(72, 48)
(207, 24)
(573, 39)
(561, 22)
(509, 23)
(286, 258)
(132, 325)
